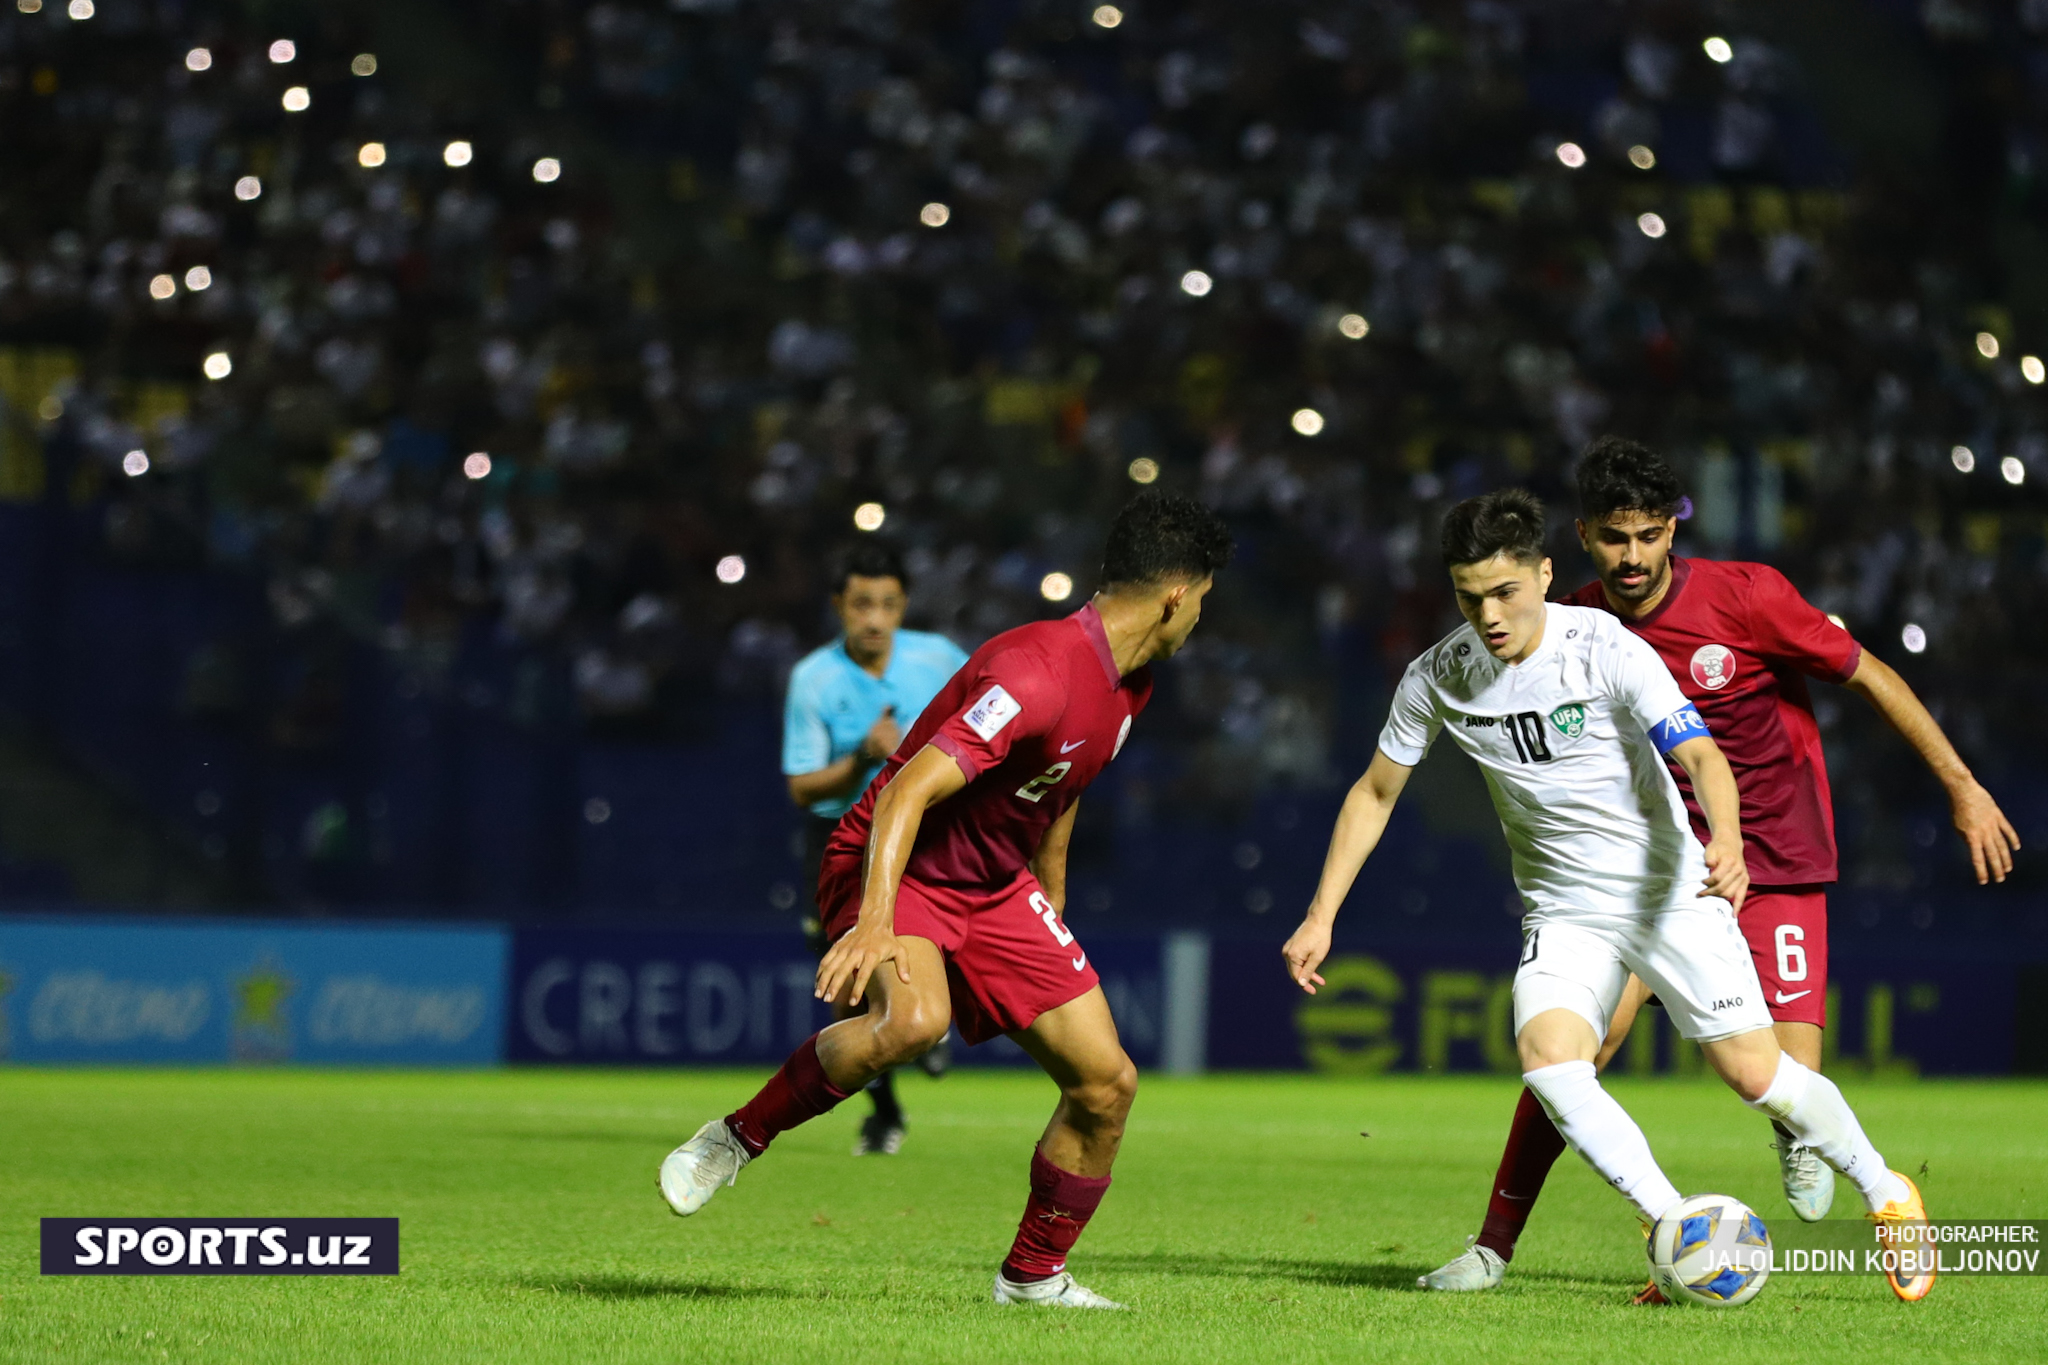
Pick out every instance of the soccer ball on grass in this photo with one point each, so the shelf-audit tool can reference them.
(1710, 1250)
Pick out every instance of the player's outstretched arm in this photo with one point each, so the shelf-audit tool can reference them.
(1049, 864)
(1714, 782)
(929, 778)
(1359, 827)
(1990, 836)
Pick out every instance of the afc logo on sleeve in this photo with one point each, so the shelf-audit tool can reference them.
(1713, 666)
(996, 709)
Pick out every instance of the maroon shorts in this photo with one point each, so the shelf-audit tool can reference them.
(1008, 957)
(1787, 929)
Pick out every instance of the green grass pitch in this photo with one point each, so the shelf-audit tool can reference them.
(1250, 1221)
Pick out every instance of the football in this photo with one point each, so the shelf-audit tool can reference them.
(1711, 1250)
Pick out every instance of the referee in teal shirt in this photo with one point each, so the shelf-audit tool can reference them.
(849, 705)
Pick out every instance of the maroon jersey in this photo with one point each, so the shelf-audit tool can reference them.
(1031, 719)
(1741, 642)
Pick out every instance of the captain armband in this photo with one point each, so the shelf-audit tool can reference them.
(1676, 728)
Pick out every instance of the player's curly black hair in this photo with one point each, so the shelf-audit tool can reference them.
(1507, 521)
(1158, 538)
(869, 559)
(1620, 475)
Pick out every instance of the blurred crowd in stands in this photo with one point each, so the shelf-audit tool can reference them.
(581, 330)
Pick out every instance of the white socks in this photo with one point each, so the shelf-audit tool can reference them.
(1601, 1131)
(1809, 1104)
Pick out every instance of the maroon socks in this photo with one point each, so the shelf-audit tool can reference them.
(1060, 1206)
(1534, 1145)
(796, 1094)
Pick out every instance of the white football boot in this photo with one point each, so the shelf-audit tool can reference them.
(1058, 1292)
(1478, 1268)
(698, 1169)
(1809, 1184)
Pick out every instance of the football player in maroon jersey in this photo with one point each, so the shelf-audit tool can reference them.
(943, 889)
(1741, 643)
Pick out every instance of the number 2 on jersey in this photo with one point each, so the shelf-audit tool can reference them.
(1035, 789)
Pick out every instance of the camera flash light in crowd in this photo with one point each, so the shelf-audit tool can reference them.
(1196, 283)
(547, 170)
(29, 6)
(458, 153)
(1571, 154)
(934, 214)
(81, 10)
(1307, 421)
(163, 286)
(218, 365)
(1055, 587)
(2012, 470)
(363, 64)
(476, 465)
(51, 408)
(1641, 157)
(247, 188)
(1718, 50)
(198, 59)
(2032, 370)
(597, 810)
(283, 50)
(1913, 638)
(370, 155)
(1107, 16)
(1987, 345)
(1354, 326)
(298, 100)
(1651, 224)
(1963, 458)
(1144, 469)
(198, 278)
(135, 464)
(731, 569)
(869, 516)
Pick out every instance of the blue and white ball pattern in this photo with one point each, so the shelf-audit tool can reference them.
(1710, 1250)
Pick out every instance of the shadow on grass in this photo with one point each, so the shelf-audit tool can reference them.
(1334, 1274)
(622, 1288)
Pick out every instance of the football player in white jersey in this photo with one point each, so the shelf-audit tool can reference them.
(1567, 711)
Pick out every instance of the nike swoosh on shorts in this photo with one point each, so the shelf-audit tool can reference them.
(1785, 999)
(1069, 748)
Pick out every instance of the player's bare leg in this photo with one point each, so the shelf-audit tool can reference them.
(903, 1019)
(1077, 1045)
(1809, 1105)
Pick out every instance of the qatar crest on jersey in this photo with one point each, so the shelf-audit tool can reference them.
(1570, 720)
(1713, 666)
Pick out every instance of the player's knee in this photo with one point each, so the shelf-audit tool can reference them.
(1107, 1098)
(910, 1030)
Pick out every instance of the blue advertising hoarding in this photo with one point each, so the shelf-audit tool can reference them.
(688, 996)
(75, 989)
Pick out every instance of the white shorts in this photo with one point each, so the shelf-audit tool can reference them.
(1694, 957)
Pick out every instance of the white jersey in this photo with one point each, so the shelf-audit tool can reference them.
(1591, 814)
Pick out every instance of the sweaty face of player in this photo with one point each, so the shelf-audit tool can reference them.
(1174, 633)
(1503, 599)
(1631, 552)
(871, 612)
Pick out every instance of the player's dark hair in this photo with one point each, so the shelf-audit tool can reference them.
(869, 559)
(1158, 538)
(1620, 475)
(1508, 521)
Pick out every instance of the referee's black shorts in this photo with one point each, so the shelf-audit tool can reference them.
(817, 829)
